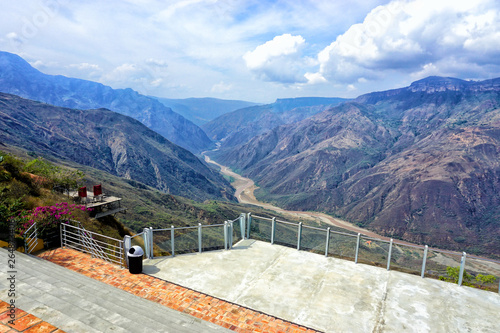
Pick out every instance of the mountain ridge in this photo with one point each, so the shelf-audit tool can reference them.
(241, 125)
(202, 110)
(109, 141)
(18, 77)
(420, 163)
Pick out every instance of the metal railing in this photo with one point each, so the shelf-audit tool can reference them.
(390, 254)
(97, 245)
(173, 241)
(31, 239)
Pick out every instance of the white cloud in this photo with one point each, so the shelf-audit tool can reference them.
(283, 45)
(85, 66)
(408, 37)
(221, 87)
(278, 59)
(193, 48)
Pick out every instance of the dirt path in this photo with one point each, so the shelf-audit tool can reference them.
(245, 188)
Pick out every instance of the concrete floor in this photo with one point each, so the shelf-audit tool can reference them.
(330, 294)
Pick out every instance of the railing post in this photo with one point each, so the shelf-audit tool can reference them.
(249, 223)
(172, 240)
(242, 225)
(225, 235)
(145, 232)
(273, 229)
(199, 238)
(462, 268)
(151, 246)
(327, 247)
(426, 249)
(299, 236)
(61, 226)
(357, 249)
(127, 244)
(230, 231)
(121, 254)
(389, 256)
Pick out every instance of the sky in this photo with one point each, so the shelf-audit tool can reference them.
(255, 50)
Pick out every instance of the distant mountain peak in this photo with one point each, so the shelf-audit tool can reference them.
(437, 83)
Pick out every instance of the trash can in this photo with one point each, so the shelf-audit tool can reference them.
(134, 256)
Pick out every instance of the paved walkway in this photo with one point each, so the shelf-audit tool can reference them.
(185, 300)
(76, 303)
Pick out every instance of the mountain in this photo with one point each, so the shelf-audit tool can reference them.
(237, 127)
(202, 110)
(420, 163)
(108, 141)
(19, 78)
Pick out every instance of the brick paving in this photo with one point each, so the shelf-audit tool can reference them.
(199, 305)
(24, 322)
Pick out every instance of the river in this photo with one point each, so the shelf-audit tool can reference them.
(245, 188)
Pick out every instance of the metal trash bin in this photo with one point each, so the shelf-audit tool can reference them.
(134, 255)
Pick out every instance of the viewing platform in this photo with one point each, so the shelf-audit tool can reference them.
(254, 287)
(220, 274)
(330, 294)
(103, 205)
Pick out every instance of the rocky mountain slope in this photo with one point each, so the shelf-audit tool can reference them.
(202, 110)
(421, 163)
(19, 78)
(111, 142)
(234, 128)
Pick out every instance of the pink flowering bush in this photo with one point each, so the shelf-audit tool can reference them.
(47, 217)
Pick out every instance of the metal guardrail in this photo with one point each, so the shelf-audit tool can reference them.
(97, 245)
(31, 239)
(391, 254)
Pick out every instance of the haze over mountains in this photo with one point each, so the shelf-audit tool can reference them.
(420, 163)
(234, 128)
(202, 110)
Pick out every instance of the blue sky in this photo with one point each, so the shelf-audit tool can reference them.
(255, 50)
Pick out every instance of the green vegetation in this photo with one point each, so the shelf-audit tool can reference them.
(480, 280)
(31, 191)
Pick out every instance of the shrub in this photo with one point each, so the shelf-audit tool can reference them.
(47, 217)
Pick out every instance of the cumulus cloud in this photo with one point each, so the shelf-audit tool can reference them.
(278, 59)
(411, 37)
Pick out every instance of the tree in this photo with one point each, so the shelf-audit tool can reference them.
(485, 279)
(454, 275)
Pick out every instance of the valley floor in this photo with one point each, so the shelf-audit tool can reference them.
(245, 188)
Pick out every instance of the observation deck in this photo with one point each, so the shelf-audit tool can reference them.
(330, 294)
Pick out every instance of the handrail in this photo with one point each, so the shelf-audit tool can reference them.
(83, 240)
(32, 241)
